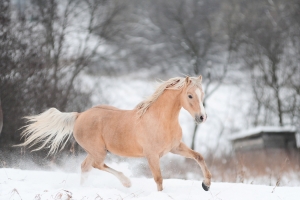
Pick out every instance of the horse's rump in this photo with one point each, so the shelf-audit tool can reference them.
(113, 128)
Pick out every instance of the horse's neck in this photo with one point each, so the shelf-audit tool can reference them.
(168, 105)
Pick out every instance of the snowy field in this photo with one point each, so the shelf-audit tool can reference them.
(38, 185)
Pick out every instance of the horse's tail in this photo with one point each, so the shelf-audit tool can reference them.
(50, 127)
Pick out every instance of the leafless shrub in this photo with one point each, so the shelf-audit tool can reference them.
(40, 66)
(261, 167)
(98, 197)
(15, 191)
(38, 197)
(63, 195)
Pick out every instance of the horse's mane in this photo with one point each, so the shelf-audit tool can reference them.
(172, 84)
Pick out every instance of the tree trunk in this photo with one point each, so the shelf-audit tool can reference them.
(1, 118)
(194, 136)
(276, 90)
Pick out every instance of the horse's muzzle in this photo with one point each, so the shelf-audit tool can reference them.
(200, 118)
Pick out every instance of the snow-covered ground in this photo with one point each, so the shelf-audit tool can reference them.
(18, 184)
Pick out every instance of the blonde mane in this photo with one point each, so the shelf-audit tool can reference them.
(172, 84)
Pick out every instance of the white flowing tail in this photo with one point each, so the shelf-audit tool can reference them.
(50, 127)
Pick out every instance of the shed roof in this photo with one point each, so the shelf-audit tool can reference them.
(261, 129)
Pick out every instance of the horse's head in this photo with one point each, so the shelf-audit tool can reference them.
(192, 98)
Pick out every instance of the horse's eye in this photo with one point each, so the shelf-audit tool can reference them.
(190, 96)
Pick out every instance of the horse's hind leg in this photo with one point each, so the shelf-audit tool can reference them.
(95, 158)
(86, 166)
(124, 180)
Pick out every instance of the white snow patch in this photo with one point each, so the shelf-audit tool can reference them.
(23, 184)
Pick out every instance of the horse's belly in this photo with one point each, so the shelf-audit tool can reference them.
(126, 153)
(128, 150)
(123, 143)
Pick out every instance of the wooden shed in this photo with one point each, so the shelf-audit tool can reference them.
(262, 149)
(264, 138)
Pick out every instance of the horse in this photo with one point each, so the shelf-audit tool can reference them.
(150, 130)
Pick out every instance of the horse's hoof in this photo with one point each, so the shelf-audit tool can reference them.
(126, 182)
(159, 188)
(205, 187)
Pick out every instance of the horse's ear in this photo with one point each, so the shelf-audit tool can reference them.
(187, 80)
(200, 78)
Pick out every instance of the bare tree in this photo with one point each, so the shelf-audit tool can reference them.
(186, 37)
(270, 55)
(1, 118)
(45, 53)
(4, 23)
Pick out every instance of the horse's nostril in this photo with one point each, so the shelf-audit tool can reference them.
(199, 118)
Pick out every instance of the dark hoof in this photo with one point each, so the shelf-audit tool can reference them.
(206, 188)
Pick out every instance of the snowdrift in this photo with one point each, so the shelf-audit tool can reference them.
(18, 184)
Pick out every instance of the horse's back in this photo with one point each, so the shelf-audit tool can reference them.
(108, 107)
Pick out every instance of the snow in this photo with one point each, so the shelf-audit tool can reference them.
(262, 129)
(24, 184)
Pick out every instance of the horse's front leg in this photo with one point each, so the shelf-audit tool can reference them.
(153, 161)
(185, 151)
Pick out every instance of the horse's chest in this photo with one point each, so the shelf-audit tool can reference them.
(161, 139)
(168, 142)
(169, 147)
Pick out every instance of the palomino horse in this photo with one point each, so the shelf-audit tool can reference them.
(150, 130)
